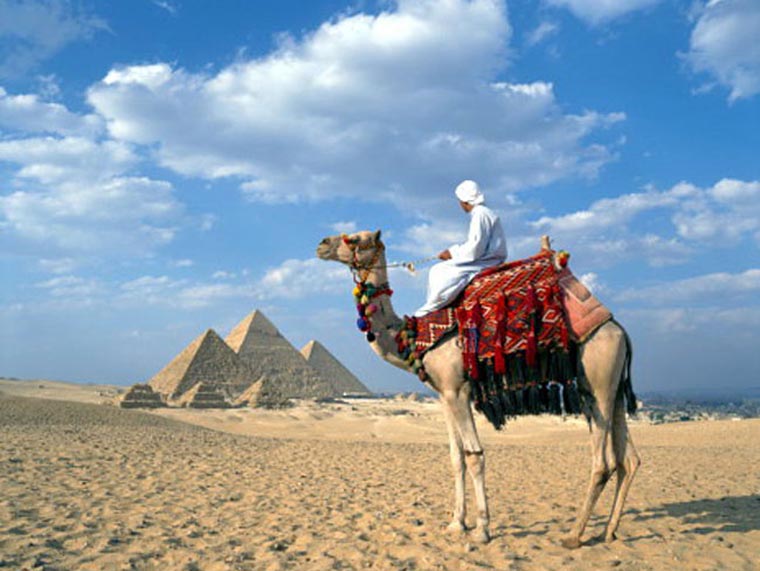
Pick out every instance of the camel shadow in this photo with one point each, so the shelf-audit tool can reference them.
(727, 514)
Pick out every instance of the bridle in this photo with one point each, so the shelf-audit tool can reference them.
(365, 292)
(361, 270)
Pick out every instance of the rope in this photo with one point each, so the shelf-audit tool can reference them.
(411, 266)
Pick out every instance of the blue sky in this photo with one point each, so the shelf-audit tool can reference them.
(170, 166)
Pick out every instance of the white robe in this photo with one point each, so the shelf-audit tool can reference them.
(486, 246)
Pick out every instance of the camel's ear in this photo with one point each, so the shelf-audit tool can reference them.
(377, 235)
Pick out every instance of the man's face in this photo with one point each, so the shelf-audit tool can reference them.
(466, 206)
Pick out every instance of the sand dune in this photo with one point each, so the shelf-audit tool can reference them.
(357, 486)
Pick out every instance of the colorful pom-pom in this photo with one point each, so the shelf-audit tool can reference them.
(370, 337)
(371, 309)
(357, 291)
(362, 324)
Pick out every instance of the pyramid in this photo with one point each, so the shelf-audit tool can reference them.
(203, 395)
(282, 369)
(329, 367)
(207, 359)
(141, 396)
(263, 393)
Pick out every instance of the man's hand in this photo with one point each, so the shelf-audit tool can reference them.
(445, 255)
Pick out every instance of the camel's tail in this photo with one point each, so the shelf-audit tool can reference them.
(626, 384)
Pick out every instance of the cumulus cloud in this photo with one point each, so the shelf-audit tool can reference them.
(289, 279)
(596, 12)
(33, 30)
(123, 213)
(721, 215)
(73, 190)
(709, 286)
(724, 44)
(390, 107)
(344, 227)
(29, 114)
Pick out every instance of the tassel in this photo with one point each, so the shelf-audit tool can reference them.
(519, 401)
(531, 349)
(507, 405)
(501, 325)
(543, 399)
(532, 399)
(572, 398)
(555, 402)
(468, 327)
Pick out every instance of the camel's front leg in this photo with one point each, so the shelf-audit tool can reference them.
(458, 402)
(456, 453)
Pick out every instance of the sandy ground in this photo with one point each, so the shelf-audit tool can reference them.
(355, 486)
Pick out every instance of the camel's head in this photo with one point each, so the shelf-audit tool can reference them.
(359, 249)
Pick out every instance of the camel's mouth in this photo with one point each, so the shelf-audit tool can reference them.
(324, 250)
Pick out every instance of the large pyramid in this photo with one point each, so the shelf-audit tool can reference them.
(330, 368)
(283, 370)
(207, 359)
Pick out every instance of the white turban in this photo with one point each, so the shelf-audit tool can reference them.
(468, 191)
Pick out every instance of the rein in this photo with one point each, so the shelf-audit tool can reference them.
(355, 246)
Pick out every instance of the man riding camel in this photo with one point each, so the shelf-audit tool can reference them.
(486, 246)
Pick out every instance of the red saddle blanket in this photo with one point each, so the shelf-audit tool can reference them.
(524, 310)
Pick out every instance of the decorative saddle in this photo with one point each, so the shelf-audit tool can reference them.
(519, 324)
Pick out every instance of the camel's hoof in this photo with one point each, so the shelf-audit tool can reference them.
(610, 537)
(481, 535)
(455, 527)
(571, 542)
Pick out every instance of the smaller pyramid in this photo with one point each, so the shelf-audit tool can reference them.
(283, 370)
(203, 395)
(263, 393)
(141, 396)
(330, 368)
(207, 359)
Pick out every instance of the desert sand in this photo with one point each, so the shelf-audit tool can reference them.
(362, 485)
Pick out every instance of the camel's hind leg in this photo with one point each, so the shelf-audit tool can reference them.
(627, 463)
(603, 358)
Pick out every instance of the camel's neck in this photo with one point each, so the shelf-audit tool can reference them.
(385, 323)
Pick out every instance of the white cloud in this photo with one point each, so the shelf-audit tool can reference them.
(344, 227)
(596, 12)
(428, 239)
(58, 265)
(32, 31)
(541, 32)
(126, 214)
(724, 44)
(592, 281)
(29, 114)
(719, 216)
(391, 107)
(72, 191)
(52, 160)
(169, 7)
(223, 275)
(303, 278)
(717, 286)
(72, 287)
(726, 212)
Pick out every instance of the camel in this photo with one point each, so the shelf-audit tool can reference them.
(603, 357)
